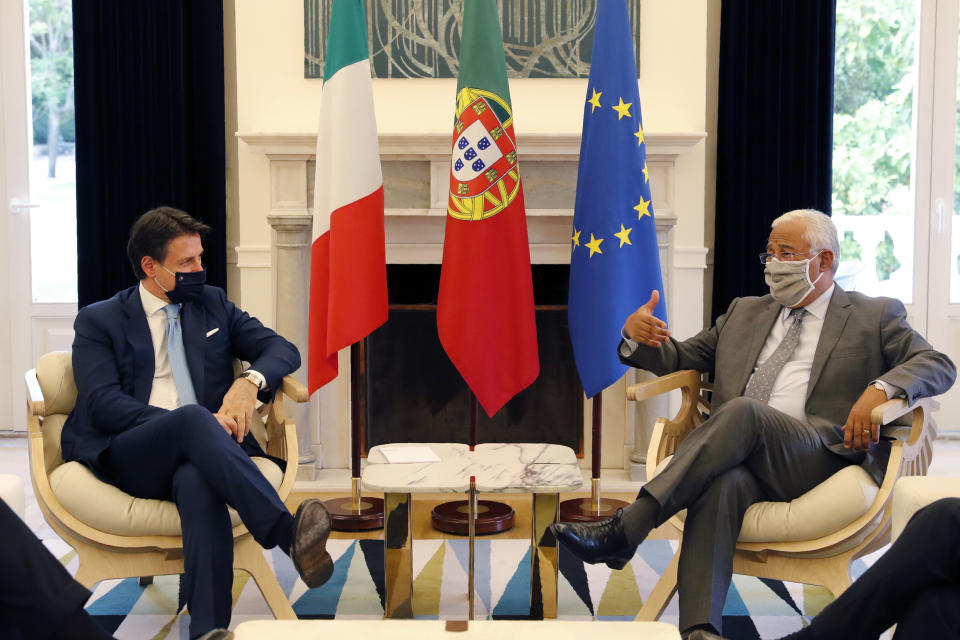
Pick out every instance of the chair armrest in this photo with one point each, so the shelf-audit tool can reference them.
(689, 378)
(294, 389)
(35, 406)
(885, 414)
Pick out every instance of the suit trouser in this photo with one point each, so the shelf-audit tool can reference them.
(36, 593)
(186, 456)
(746, 452)
(915, 584)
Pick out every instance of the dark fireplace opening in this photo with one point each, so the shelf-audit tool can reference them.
(409, 391)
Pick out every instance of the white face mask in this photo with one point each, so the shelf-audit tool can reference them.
(789, 281)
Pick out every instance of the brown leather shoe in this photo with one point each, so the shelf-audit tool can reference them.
(311, 527)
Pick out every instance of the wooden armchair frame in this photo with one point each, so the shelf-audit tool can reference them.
(105, 555)
(822, 561)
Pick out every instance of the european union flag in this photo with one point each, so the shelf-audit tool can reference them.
(614, 263)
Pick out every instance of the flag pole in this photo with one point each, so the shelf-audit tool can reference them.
(592, 508)
(490, 516)
(355, 513)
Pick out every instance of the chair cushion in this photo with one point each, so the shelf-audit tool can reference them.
(107, 508)
(913, 493)
(825, 509)
(55, 375)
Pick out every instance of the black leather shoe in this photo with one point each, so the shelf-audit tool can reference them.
(311, 528)
(595, 542)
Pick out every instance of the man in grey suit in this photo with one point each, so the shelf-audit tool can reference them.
(797, 373)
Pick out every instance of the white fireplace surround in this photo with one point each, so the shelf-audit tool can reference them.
(416, 180)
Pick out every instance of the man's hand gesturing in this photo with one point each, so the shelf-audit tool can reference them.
(644, 327)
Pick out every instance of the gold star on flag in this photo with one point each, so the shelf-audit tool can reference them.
(646, 174)
(595, 100)
(642, 209)
(576, 238)
(594, 245)
(639, 134)
(624, 235)
(622, 109)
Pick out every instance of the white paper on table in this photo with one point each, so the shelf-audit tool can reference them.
(395, 455)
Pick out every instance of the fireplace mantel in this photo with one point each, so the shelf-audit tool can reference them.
(416, 174)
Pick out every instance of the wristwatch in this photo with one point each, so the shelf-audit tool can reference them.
(877, 385)
(253, 377)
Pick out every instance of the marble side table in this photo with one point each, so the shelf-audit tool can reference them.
(539, 469)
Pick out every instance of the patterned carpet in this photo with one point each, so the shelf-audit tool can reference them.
(755, 608)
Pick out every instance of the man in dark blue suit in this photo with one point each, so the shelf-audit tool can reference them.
(160, 415)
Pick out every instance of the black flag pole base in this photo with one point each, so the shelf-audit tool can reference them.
(355, 513)
(454, 517)
(590, 509)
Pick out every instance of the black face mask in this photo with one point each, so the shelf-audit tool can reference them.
(188, 285)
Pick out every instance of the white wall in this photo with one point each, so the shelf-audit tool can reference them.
(266, 92)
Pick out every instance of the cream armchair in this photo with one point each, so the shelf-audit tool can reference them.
(116, 535)
(816, 537)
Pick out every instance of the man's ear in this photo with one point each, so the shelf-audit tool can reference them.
(149, 266)
(826, 260)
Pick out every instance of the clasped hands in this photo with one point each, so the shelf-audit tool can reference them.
(236, 411)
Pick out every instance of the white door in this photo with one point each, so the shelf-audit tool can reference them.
(894, 139)
(38, 298)
(943, 287)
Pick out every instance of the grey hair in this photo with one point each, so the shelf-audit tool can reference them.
(819, 231)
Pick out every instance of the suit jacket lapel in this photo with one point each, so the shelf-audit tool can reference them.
(760, 329)
(837, 313)
(137, 332)
(193, 324)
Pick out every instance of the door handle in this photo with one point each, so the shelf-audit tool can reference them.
(17, 207)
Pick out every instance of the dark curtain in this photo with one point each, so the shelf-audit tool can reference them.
(150, 129)
(774, 129)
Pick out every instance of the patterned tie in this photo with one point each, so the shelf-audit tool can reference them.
(761, 384)
(178, 359)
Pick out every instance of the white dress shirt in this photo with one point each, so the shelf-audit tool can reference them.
(163, 393)
(789, 393)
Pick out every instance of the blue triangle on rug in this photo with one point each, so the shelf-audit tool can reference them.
(322, 602)
(119, 600)
(514, 604)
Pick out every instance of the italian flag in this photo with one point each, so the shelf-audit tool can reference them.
(485, 314)
(348, 276)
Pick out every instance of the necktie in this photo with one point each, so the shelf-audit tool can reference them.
(177, 356)
(761, 384)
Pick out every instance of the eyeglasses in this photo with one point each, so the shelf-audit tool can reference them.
(784, 256)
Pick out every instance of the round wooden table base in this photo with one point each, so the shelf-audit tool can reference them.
(346, 518)
(492, 517)
(581, 509)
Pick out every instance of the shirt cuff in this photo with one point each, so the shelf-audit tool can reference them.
(891, 390)
(628, 346)
(258, 378)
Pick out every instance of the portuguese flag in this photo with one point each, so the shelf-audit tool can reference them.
(348, 275)
(485, 315)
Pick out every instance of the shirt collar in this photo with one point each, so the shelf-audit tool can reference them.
(817, 308)
(151, 303)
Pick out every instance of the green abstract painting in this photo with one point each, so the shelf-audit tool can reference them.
(421, 38)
